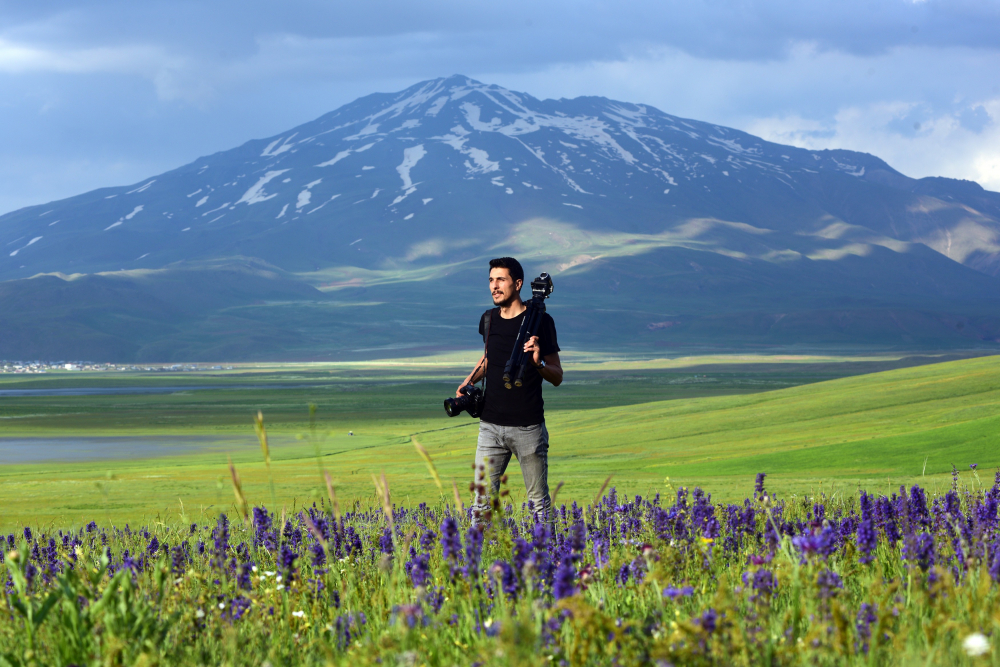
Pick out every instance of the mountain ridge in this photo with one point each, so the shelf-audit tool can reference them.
(396, 195)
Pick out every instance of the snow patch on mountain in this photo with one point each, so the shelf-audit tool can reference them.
(403, 196)
(306, 195)
(336, 158)
(31, 242)
(411, 156)
(436, 107)
(141, 188)
(256, 194)
(363, 132)
(322, 205)
(273, 149)
(218, 208)
(483, 164)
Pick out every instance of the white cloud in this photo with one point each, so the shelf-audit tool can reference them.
(939, 145)
(925, 111)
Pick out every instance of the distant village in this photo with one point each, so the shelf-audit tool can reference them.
(62, 366)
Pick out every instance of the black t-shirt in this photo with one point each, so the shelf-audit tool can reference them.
(517, 406)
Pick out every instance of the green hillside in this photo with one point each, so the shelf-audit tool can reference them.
(878, 431)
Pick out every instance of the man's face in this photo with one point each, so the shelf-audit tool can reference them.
(503, 287)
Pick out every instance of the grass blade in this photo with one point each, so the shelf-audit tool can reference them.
(333, 496)
(430, 464)
(600, 493)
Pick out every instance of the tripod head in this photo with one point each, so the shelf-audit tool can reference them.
(541, 287)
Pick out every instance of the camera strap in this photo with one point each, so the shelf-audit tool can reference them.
(487, 318)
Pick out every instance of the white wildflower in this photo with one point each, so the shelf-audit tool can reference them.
(299, 614)
(199, 614)
(976, 644)
(222, 605)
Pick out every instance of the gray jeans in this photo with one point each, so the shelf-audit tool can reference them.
(530, 444)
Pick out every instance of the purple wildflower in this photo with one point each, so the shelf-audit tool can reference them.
(995, 564)
(763, 583)
(564, 584)
(920, 549)
(823, 542)
(521, 552)
(286, 560)
(709, 620)
(427, 539)
(673, 592)
(867, 541)
(419, 570)
(829, 583)
(473, 551)
(238, 606)
(243, 578)
(758, 487)
(867, 615)
(508, 578)
(178, 560)
(220, 537)
(451, 542)
(154, 546)
(264, 535)
(385, 542)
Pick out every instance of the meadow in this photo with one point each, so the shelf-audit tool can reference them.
(814, 424)
(710, 511)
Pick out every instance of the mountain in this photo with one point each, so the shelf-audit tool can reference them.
(374, 222)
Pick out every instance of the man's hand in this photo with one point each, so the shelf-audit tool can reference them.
(478, 372)
(533, 347)
(553, 371)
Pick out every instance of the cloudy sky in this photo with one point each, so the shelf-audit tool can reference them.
(107, 92)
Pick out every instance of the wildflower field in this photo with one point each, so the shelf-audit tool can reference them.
(900, 579)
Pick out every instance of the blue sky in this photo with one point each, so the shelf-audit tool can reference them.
(107, 92)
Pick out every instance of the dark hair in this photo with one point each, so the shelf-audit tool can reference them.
(512, 265)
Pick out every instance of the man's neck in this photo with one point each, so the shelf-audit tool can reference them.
(512, 309)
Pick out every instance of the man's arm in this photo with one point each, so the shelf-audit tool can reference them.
(553, 371)
(478, 373)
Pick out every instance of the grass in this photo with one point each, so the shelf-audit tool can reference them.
(652, 427)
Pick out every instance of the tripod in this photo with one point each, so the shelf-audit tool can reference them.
(513, 372)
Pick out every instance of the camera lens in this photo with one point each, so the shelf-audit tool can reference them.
(455, 406)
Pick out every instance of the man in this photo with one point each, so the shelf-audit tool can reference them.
(513, 420)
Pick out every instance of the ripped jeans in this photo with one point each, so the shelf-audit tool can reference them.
(530, 444)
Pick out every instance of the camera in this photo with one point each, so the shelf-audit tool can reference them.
(471, 401)
(541, 287)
